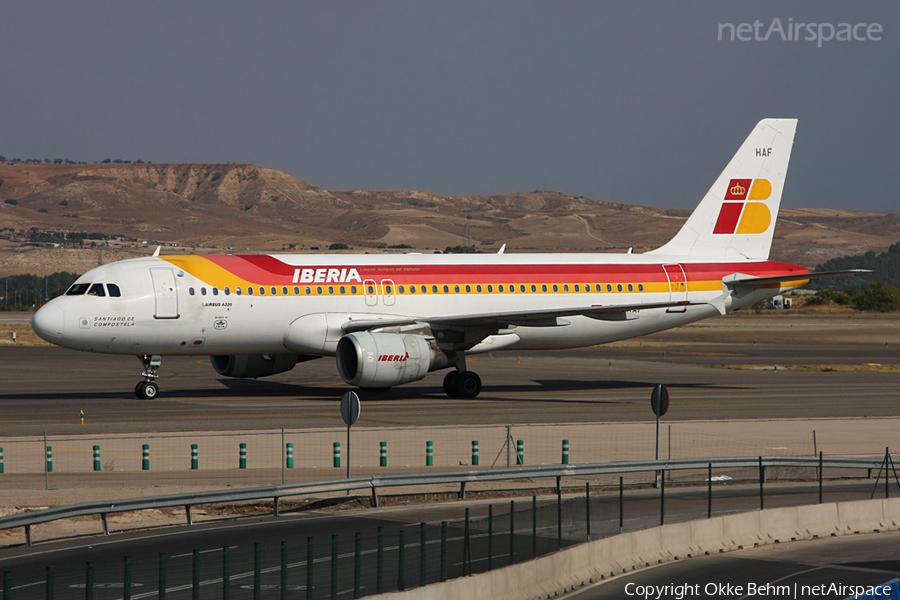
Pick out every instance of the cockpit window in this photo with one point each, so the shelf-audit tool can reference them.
(78, 289)
(97, 290)
(114, 290)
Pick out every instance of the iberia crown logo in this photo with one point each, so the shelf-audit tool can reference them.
(737, 214)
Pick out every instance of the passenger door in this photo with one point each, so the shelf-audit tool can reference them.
(166, 291)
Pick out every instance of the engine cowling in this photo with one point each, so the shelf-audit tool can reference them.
(253, 365)
(381, 360)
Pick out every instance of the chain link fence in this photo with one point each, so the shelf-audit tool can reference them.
(295, 455)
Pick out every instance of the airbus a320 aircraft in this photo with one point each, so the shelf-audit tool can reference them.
(391, 319)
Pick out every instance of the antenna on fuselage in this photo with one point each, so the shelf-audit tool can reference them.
(158, 248)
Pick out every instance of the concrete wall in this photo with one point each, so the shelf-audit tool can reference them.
(581, 565)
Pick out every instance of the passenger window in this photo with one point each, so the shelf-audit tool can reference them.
(533, 288)
(262, 291)
(353, 289)
(630, 288)
(371, 291)
(555, 288)
(478, 288)
(191, 291)
(521, 288)
(619, 287)
(544, 288)
(455, 289)
(401, 289)
(202, 291)
(227, 291)
(284, 290)
(78, 289)
(343, 290)
(468, 289)
(319, 290)
(446, 289)
(577, 288)
(215, 291)
(308, 290)
(274, 291)
(296, 291)
(387, 289)
(491, 289)
(412, 289)
(330, 290)
(97, 290)
(249, 291)
(237, 291)
(608, 287)
(565, 287)
(114, 290)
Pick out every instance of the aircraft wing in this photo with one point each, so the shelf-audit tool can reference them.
(532, 318)
(741, 280)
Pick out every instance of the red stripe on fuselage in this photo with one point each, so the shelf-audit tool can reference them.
(267, 270)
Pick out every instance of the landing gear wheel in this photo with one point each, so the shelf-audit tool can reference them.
(451, 381)
(146, 390)
(468, 385)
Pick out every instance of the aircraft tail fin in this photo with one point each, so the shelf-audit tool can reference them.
(736, 218)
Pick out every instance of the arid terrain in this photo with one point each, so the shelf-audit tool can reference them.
(244, 208)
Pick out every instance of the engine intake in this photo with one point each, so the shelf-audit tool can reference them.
(254, 365)
(381, 360)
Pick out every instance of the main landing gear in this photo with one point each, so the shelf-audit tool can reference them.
(461, 383)
(147, 389)
(465, 384)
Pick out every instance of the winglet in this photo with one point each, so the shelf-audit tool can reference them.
(156, 253)
(502, 248)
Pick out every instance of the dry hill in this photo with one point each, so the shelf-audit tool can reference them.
(246, 207)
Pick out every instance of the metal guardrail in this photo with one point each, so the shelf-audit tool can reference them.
(276, 492)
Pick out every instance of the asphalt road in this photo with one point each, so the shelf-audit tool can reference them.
(724, 367)
(820, 568)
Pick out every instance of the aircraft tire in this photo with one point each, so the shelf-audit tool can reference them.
(451, 381)
(468, 385)
(146, 390)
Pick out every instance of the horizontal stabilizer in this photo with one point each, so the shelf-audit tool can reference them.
(739, 280)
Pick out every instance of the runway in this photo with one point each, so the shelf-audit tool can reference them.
(745, 367)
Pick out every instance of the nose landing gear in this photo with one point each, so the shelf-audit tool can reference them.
(147, 389)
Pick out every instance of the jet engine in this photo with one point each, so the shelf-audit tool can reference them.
(254, 365)
(382, 360)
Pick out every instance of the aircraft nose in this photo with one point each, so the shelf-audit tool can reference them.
(48, 322)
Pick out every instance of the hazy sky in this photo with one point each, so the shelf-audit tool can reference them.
(635, 102)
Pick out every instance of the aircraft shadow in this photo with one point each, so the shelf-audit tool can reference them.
(246, 388)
